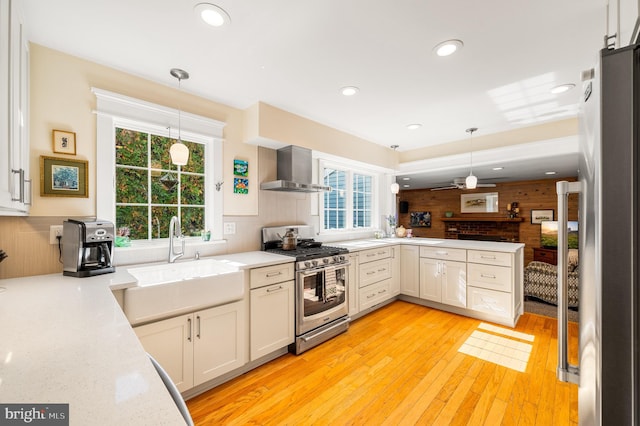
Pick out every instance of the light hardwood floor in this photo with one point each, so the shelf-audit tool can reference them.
(401, 366)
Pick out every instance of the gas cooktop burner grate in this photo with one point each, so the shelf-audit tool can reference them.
(308, 253)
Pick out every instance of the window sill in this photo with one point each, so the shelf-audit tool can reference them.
(158, 250)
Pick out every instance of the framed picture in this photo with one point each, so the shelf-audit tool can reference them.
(64, 142)
(421, 219)
(479, 203)
(240, 168)
(240, 186)
(537, 216)
(61, 177)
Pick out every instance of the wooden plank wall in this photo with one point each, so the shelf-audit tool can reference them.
(531, 195)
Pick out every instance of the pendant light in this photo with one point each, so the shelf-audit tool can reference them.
(471, 181)
(179, 152)
(395, 188)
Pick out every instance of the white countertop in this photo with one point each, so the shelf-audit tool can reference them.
(358, 245)
(66, 340)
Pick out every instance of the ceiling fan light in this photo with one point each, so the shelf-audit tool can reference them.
(471, 182)
(179, 154)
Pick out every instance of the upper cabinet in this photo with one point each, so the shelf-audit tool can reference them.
(15, 182)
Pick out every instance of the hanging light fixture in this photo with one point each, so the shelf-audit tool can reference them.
(471, 181)
(179, 152)
(395, 188)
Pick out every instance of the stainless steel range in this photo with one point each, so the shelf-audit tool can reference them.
(322, 276)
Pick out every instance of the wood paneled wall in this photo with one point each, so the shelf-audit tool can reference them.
(531, 195)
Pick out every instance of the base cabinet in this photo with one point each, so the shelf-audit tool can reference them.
(410, 270)
(272, 318)
(375, 283)
(272, 312)
(443, 281)
(197, 347)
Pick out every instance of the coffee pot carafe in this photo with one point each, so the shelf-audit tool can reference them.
(87, 247)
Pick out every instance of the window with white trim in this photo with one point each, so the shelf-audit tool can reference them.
(139, 188)
(351, 204)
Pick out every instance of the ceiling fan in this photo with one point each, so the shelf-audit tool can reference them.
(459, 183)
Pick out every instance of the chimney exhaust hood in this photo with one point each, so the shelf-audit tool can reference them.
(294, 172)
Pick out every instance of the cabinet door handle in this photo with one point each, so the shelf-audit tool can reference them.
(371, 272)
(274, 274)
(487, 276)
(382, 270)
(198, 326)
(271, 289)
(442, 253)
(487, 257)
(371, 254)
(382, 291)
(189, 325)
(20, 174)
(370, 296)
(30, 202)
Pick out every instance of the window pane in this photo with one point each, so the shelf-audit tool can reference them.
(192, 220)
(192, 189)
(362, 200)
(131, 185)
(134, 218)
(131, 148)
(160, 158)
(160, 219)
(164, 188)
(196, 158)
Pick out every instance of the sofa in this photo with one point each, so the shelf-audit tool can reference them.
(541, 280)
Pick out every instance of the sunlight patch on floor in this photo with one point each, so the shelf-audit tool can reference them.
(506, 332)
(498, 350)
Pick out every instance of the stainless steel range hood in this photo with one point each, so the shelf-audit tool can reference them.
(294, 172)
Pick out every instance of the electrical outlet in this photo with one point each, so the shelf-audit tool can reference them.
(229, 228)
(54, 231)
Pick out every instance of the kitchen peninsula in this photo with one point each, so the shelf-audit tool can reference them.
(67, 340)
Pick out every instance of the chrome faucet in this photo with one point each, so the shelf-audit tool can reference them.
(172, 234)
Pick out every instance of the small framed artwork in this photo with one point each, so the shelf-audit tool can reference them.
(421, 219)
(240, 168)
(479, 203)
(537, 216)
(64, 142)
(61, 177)
(240, 186)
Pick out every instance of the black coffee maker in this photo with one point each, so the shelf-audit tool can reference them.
(87, 247)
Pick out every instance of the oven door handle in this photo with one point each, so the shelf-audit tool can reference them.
(314, 271)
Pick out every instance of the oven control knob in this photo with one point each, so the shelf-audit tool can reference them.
(326, 260)
(307, 264)
(315, 263)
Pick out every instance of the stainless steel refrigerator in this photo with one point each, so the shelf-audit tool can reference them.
(608, 188)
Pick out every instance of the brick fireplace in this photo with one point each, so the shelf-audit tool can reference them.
(483, 229)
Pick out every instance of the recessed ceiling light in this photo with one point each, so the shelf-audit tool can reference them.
(349, 90)
(562, 88)
(448, 47)
(212, 15)
(549, 173)
(497, 168)
(414, 126)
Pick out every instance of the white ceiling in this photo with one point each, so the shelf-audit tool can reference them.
(296, 55)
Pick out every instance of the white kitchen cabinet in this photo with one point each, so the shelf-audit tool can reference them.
(15, 184)
(410, 270)
(353, 291)
(443, 281)
(197, 347)
(375, 268)
(395, 271)
(272, 318)
(272, 312)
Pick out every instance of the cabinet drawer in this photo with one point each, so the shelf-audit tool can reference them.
(374, 294)
(373, 272)
(271, 275)
(489, 276)
(374, 254)
(489, 257)
(491, 302)
(444, 253)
